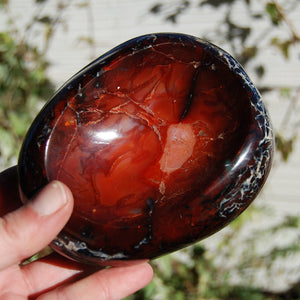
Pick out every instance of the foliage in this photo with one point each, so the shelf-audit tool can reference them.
(23, 85)
(24, 82)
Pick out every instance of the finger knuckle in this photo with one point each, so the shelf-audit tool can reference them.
(10, 233)
(9, 229)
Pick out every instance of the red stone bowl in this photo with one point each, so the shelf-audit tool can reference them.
(163, 141)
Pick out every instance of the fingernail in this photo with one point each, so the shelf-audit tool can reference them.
(50, 199)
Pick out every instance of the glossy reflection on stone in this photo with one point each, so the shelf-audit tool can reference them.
(163, 141)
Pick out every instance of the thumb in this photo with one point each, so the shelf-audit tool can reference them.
(30, 228)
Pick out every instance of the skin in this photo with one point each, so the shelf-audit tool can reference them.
(26, 229)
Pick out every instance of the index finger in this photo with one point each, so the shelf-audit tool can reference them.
(108, 284)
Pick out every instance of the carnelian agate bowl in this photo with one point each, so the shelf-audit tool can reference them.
(163, 141)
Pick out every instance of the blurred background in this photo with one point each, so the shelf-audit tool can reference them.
(44, 42)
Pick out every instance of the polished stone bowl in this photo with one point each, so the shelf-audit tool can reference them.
(163, 141)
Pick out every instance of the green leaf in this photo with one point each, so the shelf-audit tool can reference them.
(19, 122)
(273, 13)
(3, 3)
(6, 143)
(283, 46)
(260, 71)
(156, 8)
(217, 3)
(83, 4)
(285, 92)
(284, 146)
(88, 40)
(45, 20)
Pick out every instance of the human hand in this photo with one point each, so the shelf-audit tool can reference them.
(26, 229)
